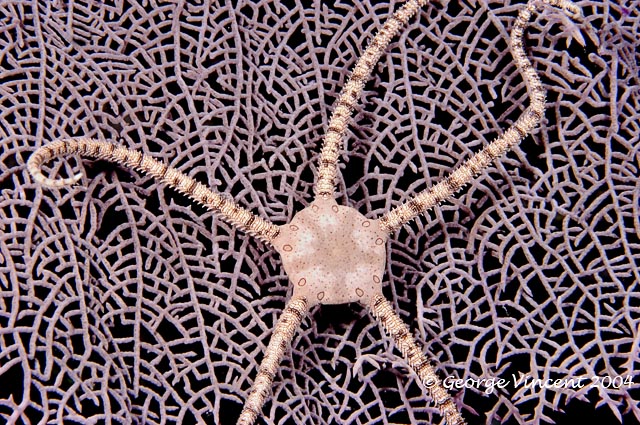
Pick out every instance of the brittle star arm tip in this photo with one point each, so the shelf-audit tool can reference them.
(228, 210)
(429, 198)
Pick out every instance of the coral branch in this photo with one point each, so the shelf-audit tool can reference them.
(328, 165)
(227, 209)
(398, 330)
(285, 329)
(431, 197)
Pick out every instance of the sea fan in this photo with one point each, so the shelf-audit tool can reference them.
(121, 302)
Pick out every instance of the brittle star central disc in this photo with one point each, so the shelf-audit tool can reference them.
(332, 254)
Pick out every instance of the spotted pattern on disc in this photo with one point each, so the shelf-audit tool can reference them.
(333, 254)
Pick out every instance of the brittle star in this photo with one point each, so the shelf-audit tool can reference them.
(332, 254)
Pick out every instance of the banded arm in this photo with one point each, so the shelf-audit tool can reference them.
(398, 330)
(332, 145)
(431, 197)
(283, 333)
(228, 210)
